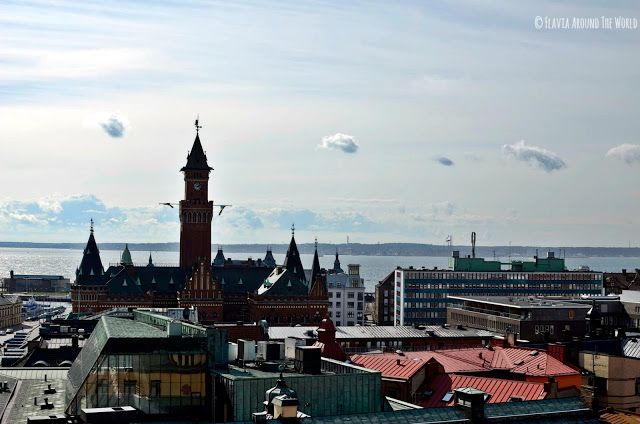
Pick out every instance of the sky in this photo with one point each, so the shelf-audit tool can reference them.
(378, 121)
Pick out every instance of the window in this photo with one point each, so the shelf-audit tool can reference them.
(330, 295)
(351, 295)
(155, 388)
(130, 387)
(351, 305)
(338, 313)
(360, 295)
(447, 397)
(338, 305)
(338, 295)
(637, 386)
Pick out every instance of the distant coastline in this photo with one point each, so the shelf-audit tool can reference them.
(358, 249)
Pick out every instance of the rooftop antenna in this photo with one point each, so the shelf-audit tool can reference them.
(293, 229)
(91, 227)
(316, 243)
(473, 244)
(198, 126)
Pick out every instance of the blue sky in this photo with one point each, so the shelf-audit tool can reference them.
(384, 121)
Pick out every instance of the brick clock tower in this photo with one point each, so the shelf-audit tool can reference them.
(196, 210)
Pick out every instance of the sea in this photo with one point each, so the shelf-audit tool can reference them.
(372, 268)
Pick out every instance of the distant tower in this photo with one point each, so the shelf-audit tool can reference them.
(196, 209)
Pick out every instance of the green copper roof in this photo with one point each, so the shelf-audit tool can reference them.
(125, 259)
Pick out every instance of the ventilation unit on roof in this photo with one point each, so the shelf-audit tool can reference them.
(534, 353)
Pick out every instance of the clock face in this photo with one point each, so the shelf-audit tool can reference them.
(197, 186)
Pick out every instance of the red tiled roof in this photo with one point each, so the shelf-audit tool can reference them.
(517, 360)
(500, 390)
(402, 369)
(449, 363)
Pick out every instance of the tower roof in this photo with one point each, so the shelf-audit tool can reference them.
(125, 259)
(269, 260)
(292, 261)
(90, 270)
(197, 159)
(315, 268)
(219, 259)
(336, 264)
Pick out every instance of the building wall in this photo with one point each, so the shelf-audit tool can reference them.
(10, 311)
(542, 326)
(384, 301)
(421, 296)
(621, 377)
(346, 298)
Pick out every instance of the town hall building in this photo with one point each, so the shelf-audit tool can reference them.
(222, 290)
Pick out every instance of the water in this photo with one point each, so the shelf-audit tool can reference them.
(372, 268)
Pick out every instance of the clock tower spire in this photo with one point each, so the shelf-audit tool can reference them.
(196, 210)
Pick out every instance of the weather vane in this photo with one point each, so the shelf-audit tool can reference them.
(198, 126)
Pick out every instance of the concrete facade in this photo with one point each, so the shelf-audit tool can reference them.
(346, 297)
(615, 380)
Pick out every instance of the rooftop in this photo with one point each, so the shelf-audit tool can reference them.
(500, 390)
(566, 410)
(524, 302)
(380, 332)
(401, 369)
(523, 361)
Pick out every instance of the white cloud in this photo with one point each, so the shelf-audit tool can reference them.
(339, 141)
(35, 64)
(630, 153)
(543, 158)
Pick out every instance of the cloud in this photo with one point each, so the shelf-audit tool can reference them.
(444, 161)
(544, 159)
(630, 153)
(445, 208)
(339, 141)
(113, 126)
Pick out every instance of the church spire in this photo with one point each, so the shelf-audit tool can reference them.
(315, 268)
(197, 159)
(90, 270)
(336, 264)
(292, 261)
(125, 259)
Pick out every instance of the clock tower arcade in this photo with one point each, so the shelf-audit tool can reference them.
(196, 209)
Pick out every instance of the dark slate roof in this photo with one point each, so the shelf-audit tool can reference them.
(565, 410)
(142, 279)
(269, 260)
(292, 261)
(336, 265)
(285, 283)
(315, 268)
(90, 271)
(197, 159)
(219, 259)
(239, 279)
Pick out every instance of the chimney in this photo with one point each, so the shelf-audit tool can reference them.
(557, 351)
(551, 387)
(471, 401)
